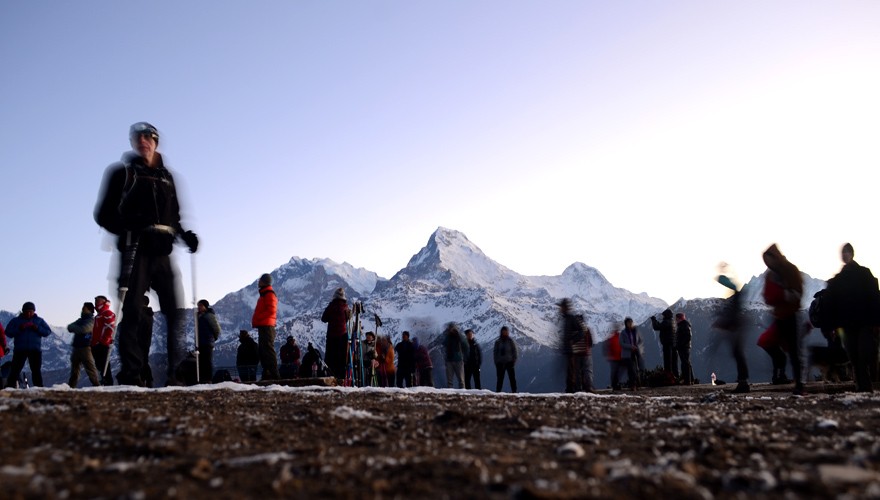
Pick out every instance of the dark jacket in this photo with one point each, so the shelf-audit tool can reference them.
(475, 355)
(505, 350)
(406, 356)
(336, 315)
(683, 334)
(290, 354)
(209, 328)
(135, 197)
(3, 345)
(853, 298)
(786, 279)
(82, 330)
(248, 352)
(665, 327)
(28, 333)
(455, 346)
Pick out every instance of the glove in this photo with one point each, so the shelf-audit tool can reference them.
(28, 326)
(191, 240)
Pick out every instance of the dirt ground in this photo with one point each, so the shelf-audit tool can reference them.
(234, 441)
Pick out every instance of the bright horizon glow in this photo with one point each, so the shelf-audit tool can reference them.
(648, 140)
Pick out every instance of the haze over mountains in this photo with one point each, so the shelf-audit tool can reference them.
(451, 279)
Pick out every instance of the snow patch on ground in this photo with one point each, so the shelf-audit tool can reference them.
(557, 434)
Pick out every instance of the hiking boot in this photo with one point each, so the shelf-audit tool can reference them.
(798, 389)
(741, 388)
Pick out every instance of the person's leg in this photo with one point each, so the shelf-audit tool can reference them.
(130, 355)
(459, 373)
(588, 372)
(268, 356)
(477, 383)
(468, 374)
(91, 368)
(35, 360)
(499, 372)
(18, 359)
(511, 375)
(74, 369)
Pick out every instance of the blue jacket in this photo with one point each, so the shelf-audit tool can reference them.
(28, 333)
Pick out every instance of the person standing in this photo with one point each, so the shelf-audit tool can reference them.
(27, 330)
(854, 306)
(612, 354)
(139, 204)
(631, 348)
(371, 360)
(424, 365)
(667, 341)
(247, 358)
(577, 344)
(474, 361)
(730, 320)
(386, 361)
(82, 352)
(209, 332)
(683, 335)
(290, 355)
(406, 361)
(505, 354)
(456, 349)
(102, 338)
(265, 314)
(783, 289)
(336, 315)
(3, 350)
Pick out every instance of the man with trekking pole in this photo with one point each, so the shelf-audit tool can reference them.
(138, 203)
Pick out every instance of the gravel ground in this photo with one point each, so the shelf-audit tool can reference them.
(236, 441)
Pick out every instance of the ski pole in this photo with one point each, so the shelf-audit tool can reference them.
(192, 269)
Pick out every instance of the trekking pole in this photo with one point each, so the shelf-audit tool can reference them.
(192, 270)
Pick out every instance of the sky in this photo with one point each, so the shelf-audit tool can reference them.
(650, 140)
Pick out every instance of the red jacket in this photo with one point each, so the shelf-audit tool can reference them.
(336, 315)
(614, 350)
(2, 341)
(267, 308)
(105, 325)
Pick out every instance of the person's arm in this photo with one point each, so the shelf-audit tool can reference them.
(42, 327)
(214, 325)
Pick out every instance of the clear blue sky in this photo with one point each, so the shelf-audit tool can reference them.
(650, 140)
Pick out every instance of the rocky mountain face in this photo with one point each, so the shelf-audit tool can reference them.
(451, 279)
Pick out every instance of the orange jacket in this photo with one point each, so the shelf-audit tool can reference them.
(267, 308)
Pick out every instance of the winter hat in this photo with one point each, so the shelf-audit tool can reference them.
(680, 317)
(290, 339)
(848, 248)
(89, 306)
(266, 279)
(667, 313)
(339, 294)
(143, 128)
(370, 334)
(28, 306)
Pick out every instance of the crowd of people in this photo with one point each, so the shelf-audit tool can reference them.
(139, 205)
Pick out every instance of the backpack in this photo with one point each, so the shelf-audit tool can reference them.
(818, 311)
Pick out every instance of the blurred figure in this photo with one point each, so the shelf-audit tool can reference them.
(631, 349)
(683, 335)
(209, 332)
(474, 361)
(145, 336)
(613, 354)
(312, 364)
(247, 358)
(265, 314)
(139, 204)
(102, 338)
(82, 353)
(336, 315)
(406, 361)
(667, 341)
(576, 341)
(730, 320)
(387, 372)
(290, 355)
(371, 359)
(456, 349)
(783, 289)
(424, 365)
(3, 349)
(27, 330)
(505, 354)
(854, 306)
